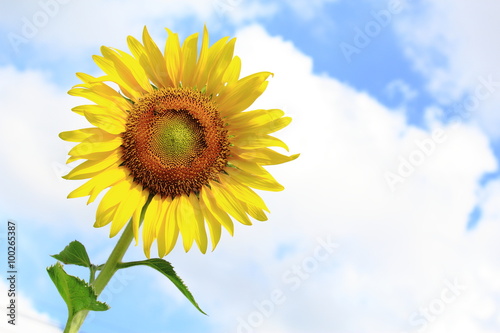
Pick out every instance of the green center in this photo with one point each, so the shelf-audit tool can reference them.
(177, 137)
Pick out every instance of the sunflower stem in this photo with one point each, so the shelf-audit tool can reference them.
(108, 270)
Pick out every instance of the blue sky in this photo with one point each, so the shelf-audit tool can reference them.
(389, 221)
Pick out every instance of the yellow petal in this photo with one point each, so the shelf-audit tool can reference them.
(81, 134)
(139, 52)
(88, 168)
(138, 73)
(185, 217)
(168, 231)
(213, 224)
(256, 117)
(258, 121)
(249, 166)
(87, 78)
(105, 217)
(240, 95)
(128, 205)
(173, 57)
(207, 197)
(105, 122)
(171, 228)
(88, 147)
(129, 72)
(103, 180)
(160, 239)
(150, 220)
(253, 141)
(230, 204)
(202, 60)
(136, 218)
(255, 212)
(265, 156)
(242, 192)
(102, 94)
(199, 223)
(219, 66)
(109, 203)
(189, 55)
(97, 135)
(232, 72)
(156, 59)
(271, 127)
(115, 112)
(214, 53)
(90, 157)
(260, 183)
(108, 67)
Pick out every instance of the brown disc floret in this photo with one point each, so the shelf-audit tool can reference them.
(175, 142)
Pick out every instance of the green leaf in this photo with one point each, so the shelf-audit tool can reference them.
(75, 254)
(166, 269)
(77, 294)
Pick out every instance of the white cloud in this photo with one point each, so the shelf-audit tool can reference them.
(397, 253)
(34, 112)
(64, 28)
(454, 46)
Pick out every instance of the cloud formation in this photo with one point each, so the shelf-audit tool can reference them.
(455, 48)
(402, 260)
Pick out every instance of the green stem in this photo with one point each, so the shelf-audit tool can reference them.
(109, 269)
(93, 270)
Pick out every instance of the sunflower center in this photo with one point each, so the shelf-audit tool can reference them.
(175, 141)
(178, 138)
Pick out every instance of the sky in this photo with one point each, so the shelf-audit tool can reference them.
(389, 219)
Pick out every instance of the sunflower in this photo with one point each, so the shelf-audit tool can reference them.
(173, 143)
